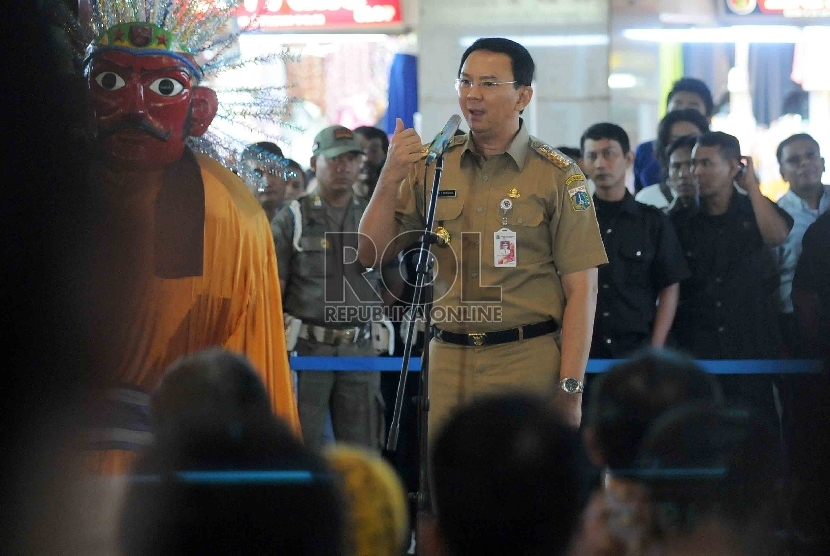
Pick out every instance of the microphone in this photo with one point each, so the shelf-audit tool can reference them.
(442, 140)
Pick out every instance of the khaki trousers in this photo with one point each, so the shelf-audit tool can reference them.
(460, 374)
(352, 397)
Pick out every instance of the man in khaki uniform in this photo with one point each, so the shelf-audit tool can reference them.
(324, 288)
(521, 244)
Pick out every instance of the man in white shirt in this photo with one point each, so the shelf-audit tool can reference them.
(802, 166)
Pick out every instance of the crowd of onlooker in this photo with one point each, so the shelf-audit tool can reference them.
(679, 471)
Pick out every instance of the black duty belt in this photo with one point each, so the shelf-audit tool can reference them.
(497, 337)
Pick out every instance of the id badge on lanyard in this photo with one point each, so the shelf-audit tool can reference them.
(504, 240)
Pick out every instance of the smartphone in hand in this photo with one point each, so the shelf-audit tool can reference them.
(741, 169)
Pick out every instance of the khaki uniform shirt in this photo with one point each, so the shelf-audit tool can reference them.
(551, 214)
(325, 285)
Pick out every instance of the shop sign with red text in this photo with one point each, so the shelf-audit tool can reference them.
(271, 15)
(806, 9)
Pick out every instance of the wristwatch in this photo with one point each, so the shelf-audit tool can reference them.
(571, 385)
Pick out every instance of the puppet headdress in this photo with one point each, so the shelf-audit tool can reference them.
(199, 32)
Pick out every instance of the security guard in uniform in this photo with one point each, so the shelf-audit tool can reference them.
(324, 288)
(515, 289)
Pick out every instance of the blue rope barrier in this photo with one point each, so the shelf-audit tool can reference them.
(718, 367)
(235, 477)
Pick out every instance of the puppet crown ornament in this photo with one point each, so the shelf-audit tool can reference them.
(199, 34)
(143, 38)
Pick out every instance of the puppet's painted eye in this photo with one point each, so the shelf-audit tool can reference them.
(110, 81)
(166, 87)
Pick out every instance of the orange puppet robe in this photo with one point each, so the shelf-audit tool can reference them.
(145, 318)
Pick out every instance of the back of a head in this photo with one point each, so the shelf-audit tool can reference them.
(703, 463)
(505, 478)
(631, 395)
(212, 385)
(606, 130)
(728, 145)
(245, 490)
(376, 511)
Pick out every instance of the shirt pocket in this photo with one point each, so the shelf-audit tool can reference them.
(448, 208)
(636, 262)
(448, 215)
(312, 259)
(528, 213)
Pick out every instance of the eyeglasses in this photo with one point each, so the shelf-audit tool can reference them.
(485, 84)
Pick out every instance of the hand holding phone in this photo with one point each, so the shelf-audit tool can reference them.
(745, 177)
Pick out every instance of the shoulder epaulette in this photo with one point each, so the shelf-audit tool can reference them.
(454, 142)
(558, 159)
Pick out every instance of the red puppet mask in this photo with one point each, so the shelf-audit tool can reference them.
(144, 98)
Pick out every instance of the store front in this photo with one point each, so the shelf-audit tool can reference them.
(336, 68)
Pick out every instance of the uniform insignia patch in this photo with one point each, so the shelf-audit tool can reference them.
(514, 193)
(575, 177)
(551, 154)
(343, 133)
(454, 142)
(579, 198)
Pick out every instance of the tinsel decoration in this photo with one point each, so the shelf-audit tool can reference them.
(201, 27)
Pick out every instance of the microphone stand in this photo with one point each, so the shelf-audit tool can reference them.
(422, 298)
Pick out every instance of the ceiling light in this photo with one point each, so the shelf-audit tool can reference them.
(621, 81)
(530, 41)
(786, 34)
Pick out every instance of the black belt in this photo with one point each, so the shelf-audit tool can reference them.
(497, 337)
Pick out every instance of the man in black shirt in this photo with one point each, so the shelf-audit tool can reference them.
(638, 289)
(811, 415)
(728, 307)
(811, 288)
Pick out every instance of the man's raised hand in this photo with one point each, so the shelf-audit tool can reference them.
(404, 152)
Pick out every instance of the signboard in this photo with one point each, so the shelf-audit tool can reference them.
(759, 10)
(296, 15)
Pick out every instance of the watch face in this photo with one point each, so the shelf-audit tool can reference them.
(570, 385)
